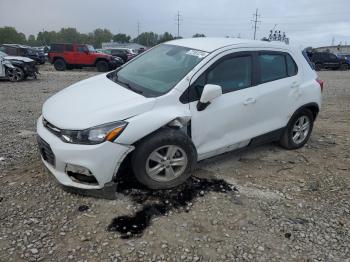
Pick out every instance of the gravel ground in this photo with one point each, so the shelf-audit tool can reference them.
(282, 205)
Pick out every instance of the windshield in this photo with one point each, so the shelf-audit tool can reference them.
(91, 48)
(159, 70)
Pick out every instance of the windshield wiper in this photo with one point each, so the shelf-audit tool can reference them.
(127, 85)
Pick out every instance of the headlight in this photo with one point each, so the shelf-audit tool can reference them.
(94, 135)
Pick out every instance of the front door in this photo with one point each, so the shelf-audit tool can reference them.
(83, 57)
(229, 121)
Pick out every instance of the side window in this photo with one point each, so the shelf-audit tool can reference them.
(58, 48)
(69, 48)
(272, 67)
(291, 66)
(11, 50)
(81, 48)
(332, 56)
(232, 74)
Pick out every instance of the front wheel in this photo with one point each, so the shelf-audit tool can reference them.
(102, 66)
(318, 67)
(298, 130)
(164, 159)
(344, 67)
(15, 74)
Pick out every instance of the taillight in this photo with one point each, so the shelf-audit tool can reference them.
(320, 82)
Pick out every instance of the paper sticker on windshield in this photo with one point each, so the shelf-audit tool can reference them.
(197, 53)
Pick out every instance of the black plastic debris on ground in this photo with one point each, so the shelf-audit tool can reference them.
(162, 201)
(83, 208)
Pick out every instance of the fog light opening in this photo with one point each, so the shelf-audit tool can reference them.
(80, 174)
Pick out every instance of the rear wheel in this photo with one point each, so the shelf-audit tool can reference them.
(60, 65)
(318, 67)
(298, 130)
(15, 74)
(102, 66)
(344, 67)
(164, 159)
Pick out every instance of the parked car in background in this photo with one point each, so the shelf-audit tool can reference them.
(181, 102)
(16, 68)
(346, 57)
(124, 53)
(70, 56)
(43, 49)
(108, 52)
(326, 60)
(24, 51)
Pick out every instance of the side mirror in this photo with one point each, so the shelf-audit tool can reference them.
(210, 92)
(86, 51)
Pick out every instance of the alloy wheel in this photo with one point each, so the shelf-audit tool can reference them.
(301, 129)
(15, 74)
(166, 163)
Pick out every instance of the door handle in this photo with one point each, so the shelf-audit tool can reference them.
(249, 101)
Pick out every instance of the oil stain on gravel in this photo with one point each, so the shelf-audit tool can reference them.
(161, 202)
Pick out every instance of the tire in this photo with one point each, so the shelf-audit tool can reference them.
(174, 158)
(60, 64)
(344, 67)
(301, 123)
(15, 74)
(318, 67)
(102, 66)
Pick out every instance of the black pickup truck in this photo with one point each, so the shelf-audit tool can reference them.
(325, 60)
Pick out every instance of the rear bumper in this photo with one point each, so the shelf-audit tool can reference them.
(102, 160)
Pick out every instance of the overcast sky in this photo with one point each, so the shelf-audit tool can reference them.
(306, 22)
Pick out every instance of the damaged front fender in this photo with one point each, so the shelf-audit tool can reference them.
(145, 124)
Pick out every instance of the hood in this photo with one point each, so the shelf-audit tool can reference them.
(19, 58)
(92, 102)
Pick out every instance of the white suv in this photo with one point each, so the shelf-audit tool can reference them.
(174, 105)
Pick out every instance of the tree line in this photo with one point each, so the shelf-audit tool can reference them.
(9, 35)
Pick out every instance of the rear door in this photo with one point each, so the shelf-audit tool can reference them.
(331, 60)
(279, 89)
(68, 53)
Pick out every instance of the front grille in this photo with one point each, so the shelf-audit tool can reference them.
(46, 151)
(53, 129)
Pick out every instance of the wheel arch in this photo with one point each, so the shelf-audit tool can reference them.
(54, 59)
(313, 107)
(101, 59)
(141, 126)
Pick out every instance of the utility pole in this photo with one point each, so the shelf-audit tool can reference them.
(178, 16)
(138, 31)
(255, 21)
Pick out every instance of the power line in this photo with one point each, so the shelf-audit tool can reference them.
(255, 21)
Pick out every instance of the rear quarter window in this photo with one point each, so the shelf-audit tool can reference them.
(57, 48)
(292, 68)
(275, 66)
(272, 67)
(69, 48)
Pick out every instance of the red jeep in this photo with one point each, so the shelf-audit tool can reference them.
(70, 56)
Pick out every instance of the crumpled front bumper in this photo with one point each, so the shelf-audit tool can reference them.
(31, 69)
(103, 160)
